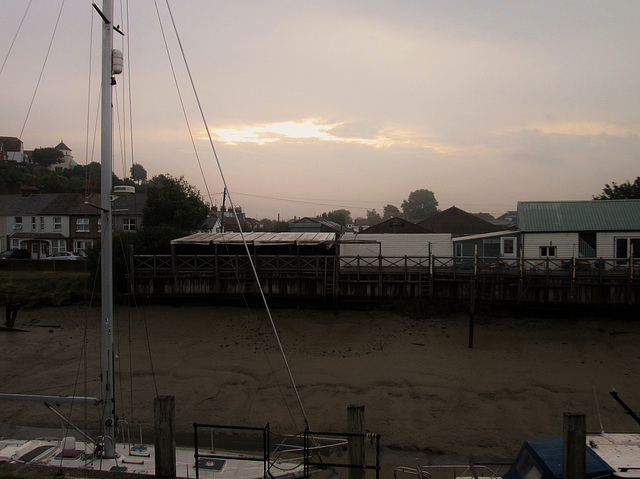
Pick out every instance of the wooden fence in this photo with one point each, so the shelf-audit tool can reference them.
(355, 278)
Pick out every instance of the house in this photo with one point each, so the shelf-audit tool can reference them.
(457, 222)
(589, 229)
(46, 224)
(395, 225)
(224, 220)
(11, 149)
(67, 159)
(38, 223)
(314, 225)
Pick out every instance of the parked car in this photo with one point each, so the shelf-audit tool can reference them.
(66, 255)
(15, 254)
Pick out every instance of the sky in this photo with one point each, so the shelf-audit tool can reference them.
(319, 105)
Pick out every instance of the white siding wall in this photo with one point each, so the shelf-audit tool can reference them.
(606, 242)
(566, 244)
(393, 244)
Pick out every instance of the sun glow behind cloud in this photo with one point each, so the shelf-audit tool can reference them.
(313, 129)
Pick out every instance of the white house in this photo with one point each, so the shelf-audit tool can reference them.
(588, 229)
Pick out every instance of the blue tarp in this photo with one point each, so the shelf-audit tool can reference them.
(545, 455)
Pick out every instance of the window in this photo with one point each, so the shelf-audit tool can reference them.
(33, 223)
(17, 225)
(508, 247)
(42, 223)
(458, 249)
(57, 246)
(82, 224)
(491, 247)
(57, 223)
(15, 244)
(627, 247)
(129, 224)
(81, 246)
(547, 251)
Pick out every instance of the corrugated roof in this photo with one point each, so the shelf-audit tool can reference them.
(256, 238)
(590, 215)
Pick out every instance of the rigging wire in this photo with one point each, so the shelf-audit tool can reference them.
(53, 35)
(235, 213)
(127, 74)
(184, 112)
(15, 37)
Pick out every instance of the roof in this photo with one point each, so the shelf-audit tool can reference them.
(395, 225)
(494, 234)
(62, 146)
(256, 238)
(310, 223)
(457, 222)
(10, 143)
(589, 215)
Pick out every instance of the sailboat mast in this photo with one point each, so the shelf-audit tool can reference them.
(108, 393)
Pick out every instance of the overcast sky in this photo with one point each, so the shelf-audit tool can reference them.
(321, 105)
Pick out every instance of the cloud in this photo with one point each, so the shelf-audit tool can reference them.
(314, 129)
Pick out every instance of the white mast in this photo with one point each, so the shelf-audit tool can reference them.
(108, 393)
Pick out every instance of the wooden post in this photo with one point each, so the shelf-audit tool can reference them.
(355, 425)
(165, 431)
(574, 446)
(472, 311)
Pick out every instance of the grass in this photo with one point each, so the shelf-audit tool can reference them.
(38, 289)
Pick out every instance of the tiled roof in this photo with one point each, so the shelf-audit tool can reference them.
(588, 215)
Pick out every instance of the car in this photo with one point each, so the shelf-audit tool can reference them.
(15, 254)
(66, 255)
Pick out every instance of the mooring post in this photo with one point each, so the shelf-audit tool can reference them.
(355, 425)
(574, 444)
(164, 408)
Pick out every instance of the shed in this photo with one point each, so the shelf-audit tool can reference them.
(395, 244)
(263, 242)
(502, 244)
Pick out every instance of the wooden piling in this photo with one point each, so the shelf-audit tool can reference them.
(164, 408)
(574, 446)
(355, 425)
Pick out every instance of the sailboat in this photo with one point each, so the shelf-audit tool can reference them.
(104, 453)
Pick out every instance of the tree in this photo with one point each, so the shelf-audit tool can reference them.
(625, 191)
(274, 225)
(173, 208)
(138, 173)
(420, 205)
(389, 211)
(47, 156)
(373, 217)
(342, 217)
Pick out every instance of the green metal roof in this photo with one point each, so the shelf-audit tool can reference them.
(591, 215)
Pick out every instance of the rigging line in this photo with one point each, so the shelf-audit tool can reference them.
(302, 201)
(121, 136)
(88, 125)
(184, 112)
(224, 181)
(53, 35)
(15, 37)
(129, 88)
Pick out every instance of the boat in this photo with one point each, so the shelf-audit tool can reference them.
(607, 455)
(76, 449)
